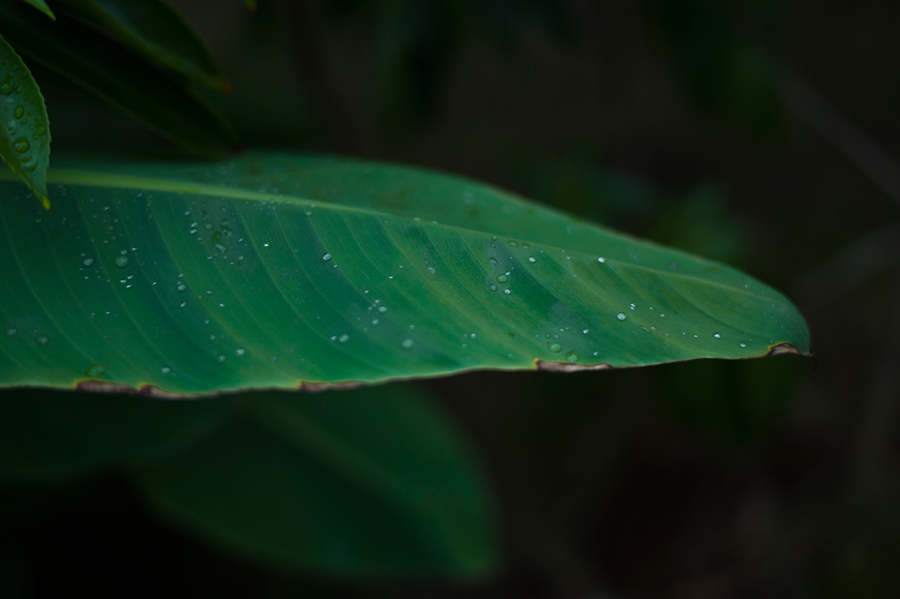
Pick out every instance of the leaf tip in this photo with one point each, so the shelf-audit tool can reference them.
(785, 348)
(45, 202)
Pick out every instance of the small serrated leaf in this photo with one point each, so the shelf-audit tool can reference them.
(155, 30)
(25, 132)
(42, 6)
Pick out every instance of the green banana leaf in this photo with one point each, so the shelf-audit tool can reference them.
(24, 133)
(278, 271)
(372, 483)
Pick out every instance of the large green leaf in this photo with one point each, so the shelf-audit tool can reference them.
(371, 482)
(157, 31)
(24, 134)
(274, 269)
(50, 435)
(119, 77)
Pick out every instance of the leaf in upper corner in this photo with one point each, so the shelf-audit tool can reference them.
(276, 269)
(357, 483)
(25, 129)
(157, 31)
(42, 6)
(121, 78)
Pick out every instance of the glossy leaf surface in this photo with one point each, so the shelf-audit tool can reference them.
(277, 269)
(120, 77)
(366, 482)
(157, 31)
(52, 435)
(24, 134)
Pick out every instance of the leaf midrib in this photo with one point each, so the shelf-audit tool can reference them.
(99, 179)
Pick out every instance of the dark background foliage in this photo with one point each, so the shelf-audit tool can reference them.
(760, 133)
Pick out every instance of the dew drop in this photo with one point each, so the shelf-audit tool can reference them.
(95, 370)
(717, 336)
(19, 111)
(507, 291)
(554, 347)
(7, 85)
(344, 338)
(586, 331)
(11, 331)
(88, 262)
(43, 340)
(382, 309)
(531, 259)
(502, 278)
(326, 257)
(743, 345)
(166, 370)
(239, 352)
(621, 316)
(122, 261)
(22, 145)
(601, 259)
(181, 287)
(493, 287)
(571, 357)
(407, 343)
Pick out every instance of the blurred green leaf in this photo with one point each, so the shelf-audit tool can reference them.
(42, 6)
(361, 483)
(415, 41)
(54, 435)
(157, 31)
(25, 132)
(119, 77)
(724, 68)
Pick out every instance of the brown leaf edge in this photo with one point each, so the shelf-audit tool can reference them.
(778, 348)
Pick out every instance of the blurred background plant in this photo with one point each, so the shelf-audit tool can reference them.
(760, 133)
